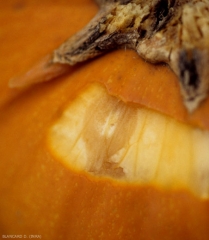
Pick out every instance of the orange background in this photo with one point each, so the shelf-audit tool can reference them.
(38, 195)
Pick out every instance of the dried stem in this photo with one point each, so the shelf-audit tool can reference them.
(172, 31)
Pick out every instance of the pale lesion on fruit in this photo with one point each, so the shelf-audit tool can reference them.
(102, 136)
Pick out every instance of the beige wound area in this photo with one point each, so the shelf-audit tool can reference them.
(104, 136)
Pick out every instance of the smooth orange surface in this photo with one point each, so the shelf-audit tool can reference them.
(38, 195)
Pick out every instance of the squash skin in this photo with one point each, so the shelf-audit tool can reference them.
(41, 196)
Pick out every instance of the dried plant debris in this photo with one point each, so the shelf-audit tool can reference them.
(172, 31)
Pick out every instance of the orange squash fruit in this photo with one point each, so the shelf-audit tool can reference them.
(45, 196)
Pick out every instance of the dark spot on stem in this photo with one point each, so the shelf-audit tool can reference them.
(188, 69)
(142, 33)
(123, 2)
(88, 42)
(161, 13)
